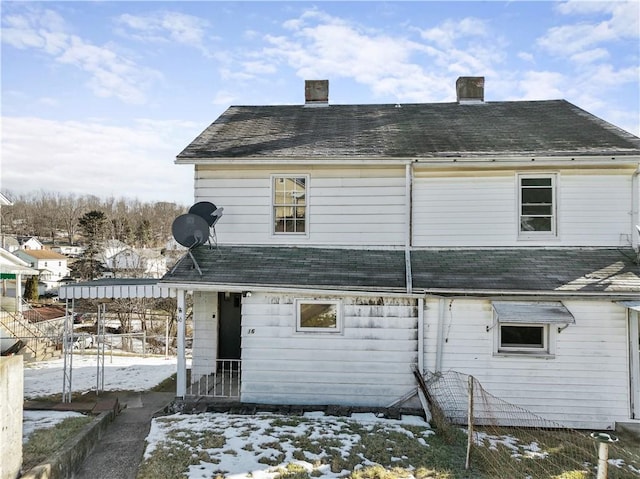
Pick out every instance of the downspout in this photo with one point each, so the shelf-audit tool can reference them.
(421, 335)
(635, 204)
(440, 340)
(407, 236)
(181, 373)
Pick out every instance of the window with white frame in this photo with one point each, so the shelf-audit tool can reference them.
(537, 205)
(289, 204)
(318, 316)
(523, 338)
(528, 327)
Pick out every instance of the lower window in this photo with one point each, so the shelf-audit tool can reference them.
(523, 338)
(318, 316)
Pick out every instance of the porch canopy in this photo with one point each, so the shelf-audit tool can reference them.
(635, 305)
(543, 312)
(116, 288)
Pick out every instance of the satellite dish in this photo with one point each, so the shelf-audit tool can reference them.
(190, 230)
(207, 211)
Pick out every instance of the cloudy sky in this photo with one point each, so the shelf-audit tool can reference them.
(99, 97)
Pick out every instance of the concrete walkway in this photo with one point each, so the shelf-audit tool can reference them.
(119, 451)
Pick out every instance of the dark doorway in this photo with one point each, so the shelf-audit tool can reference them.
(229, 326)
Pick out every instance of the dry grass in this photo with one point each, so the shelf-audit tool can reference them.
(44, 442)
(397, 455)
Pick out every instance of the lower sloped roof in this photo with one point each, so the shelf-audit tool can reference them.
(293, 267)
(528, 269)
(590, 270)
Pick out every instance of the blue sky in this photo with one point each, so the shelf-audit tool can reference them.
(99, 97)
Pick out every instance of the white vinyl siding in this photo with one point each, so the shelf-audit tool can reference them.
(585, 385)
(477, 209)
(369, 364)
(345, 206)
(469, 211)
(205, 334)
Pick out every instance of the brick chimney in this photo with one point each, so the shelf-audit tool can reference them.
(470, 90)
(316, 93)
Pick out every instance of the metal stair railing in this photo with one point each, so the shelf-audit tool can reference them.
(22, 329)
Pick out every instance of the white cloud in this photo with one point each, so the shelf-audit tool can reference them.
(323, 46)
(526, 56)
(408, 64)
(259, 67)
(542, 85)
(622, 22)
(224, 97)
(89, 157)
(165, 27)
(110, 74)
(48, 101)
(446, 34)
(589, 56)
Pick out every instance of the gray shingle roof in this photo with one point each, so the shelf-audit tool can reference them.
(531, 269)
(291, 267)
(528, 269)
(494, 129)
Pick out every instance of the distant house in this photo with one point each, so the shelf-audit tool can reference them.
(29, 243)
(52, 266)
(10, 243)
(71, 251)
(110, 248)
(137, 263)
(496, 239)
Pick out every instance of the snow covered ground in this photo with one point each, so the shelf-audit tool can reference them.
(34, 420)
(252, 443)
(120, 373)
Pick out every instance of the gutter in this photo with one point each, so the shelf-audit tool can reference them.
(454, 159)
(243, 288)
(488, 293)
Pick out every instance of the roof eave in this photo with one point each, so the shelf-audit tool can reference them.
(618, 159)
(307, 289)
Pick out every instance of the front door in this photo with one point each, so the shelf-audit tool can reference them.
(229, 326)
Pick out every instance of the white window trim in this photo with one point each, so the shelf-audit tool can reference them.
(273, 232)
(339, 323)
(548, 351)
(534, 235)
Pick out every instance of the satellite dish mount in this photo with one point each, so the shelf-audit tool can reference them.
(196, 228)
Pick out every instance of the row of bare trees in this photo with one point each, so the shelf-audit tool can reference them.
(153, 315)
(55, 217)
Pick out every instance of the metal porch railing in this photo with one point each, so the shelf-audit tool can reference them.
(223, 382)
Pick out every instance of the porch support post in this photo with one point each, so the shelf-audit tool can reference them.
(181, 375)
(19, 293)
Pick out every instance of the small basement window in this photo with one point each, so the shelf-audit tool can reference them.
(523, 338)
(528, 327)
(318, 316)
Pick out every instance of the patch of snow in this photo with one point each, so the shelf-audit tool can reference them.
(45, 378)
(35, 420)
(247, 440)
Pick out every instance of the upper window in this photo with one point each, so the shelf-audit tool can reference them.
(289, 198)
(318, 316)
(537, 208)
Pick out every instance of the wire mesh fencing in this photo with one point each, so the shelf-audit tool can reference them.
(506, 441)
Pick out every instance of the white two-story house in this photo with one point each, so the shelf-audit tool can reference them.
(52, 267)
(497, 239)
